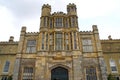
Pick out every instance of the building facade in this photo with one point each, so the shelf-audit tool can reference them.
(59, 51)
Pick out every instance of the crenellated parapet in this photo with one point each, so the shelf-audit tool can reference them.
(58, 14)
(7, 42)
(11, 41)
(46, 6)
(8, 47)
(71, 5)
(32, 33)
(86, 32)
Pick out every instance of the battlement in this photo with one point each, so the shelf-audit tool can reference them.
(58, 14)
(46, 6)
(7, 42)
(71, 5)
(32, 33)
(11, 41)
(86, 32)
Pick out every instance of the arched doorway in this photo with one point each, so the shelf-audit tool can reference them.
(59, 73)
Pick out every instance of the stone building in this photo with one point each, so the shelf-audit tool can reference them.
(59, 51)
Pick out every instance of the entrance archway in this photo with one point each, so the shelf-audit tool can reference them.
(59, 73)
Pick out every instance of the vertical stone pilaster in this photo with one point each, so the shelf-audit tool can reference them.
(102, 67)
(77, 40)
(54, 45)
(62, 22)
(16, 74)
(68, 22)
(72, 47)
(77, 68)
(63, 40)
(45, 41)
(16, 69)
(69, 40)
(54, 22)
(48, 41)
(40, 69)
(78, 37)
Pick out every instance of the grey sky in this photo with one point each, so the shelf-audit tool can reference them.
(17, 13)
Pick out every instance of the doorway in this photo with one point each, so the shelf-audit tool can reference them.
(59, 73)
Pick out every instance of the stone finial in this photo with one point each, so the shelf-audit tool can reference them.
(109, 37)
(94, 27)
(23, 29)
(11, 39)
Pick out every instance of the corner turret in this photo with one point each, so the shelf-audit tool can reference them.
(46, 9)
(71, 9)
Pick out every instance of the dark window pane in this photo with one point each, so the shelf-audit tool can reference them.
(91, 74)
(6, 67)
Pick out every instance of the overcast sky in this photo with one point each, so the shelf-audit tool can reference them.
(17, 13)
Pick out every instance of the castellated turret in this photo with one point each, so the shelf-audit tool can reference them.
(46, 9)
(71, 9)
